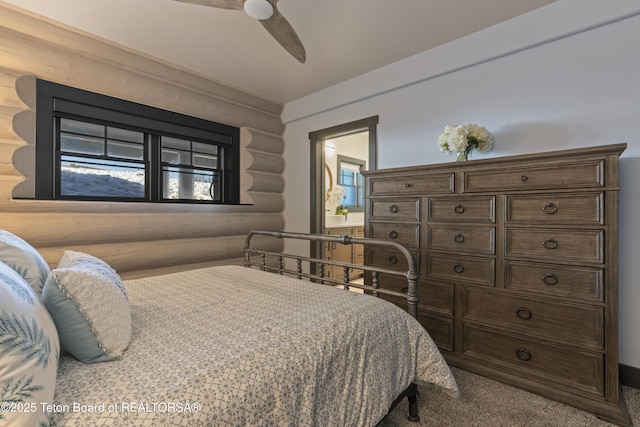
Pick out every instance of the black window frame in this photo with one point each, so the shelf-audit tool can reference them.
(55, 101)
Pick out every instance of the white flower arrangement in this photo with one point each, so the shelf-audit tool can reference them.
(462, 139)
(335, 196)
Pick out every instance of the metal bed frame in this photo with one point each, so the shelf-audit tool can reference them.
(313, 269)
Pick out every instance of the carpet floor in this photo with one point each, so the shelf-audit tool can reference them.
(487, 403)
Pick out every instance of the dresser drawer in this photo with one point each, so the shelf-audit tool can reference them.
(434, 183)
(567, 368)
(434, 296)
(407, 234)
(558, 244)
(577, 175)
(392, 260)
(461, 268)
(462, 209)
(580, 326)
(580, 283)
(396, 209)
(583, 208)
(458, 238)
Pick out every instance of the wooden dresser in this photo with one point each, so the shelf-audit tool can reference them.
(518, 266)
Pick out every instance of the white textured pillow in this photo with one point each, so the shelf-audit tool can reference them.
(80, 259)
(24, 259)
(29, 352)
(90, 308)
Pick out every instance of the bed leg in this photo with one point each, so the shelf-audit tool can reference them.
(412, 396)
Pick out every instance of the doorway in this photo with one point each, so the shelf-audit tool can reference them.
(321, 139)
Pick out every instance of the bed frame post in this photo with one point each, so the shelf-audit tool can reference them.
(412, 396)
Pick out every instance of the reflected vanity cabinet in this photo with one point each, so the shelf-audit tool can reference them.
(518, 267)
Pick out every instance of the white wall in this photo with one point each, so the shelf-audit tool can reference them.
(564, 76)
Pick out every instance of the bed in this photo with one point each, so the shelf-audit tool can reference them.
(245, 346)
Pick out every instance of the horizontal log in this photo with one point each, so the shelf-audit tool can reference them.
(24, 161)
(26, 90)
(135, 256)
(253, 160)
(131, 275)
(261, 141)
(7, 151)
(264, 182)
(7, 183)
(63, 229)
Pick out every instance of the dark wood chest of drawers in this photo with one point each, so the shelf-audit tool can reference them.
(518, 266)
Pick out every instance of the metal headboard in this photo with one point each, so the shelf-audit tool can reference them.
(315, 271)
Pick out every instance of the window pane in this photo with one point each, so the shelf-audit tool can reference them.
(190, 184)
(205, 148)
(349, 197)
(346, 178)
(125, 135)
(86, 177)
(204, 161)
(180, 144)
(125, 150)
(81, 145)
(74, 126)
(176, 157)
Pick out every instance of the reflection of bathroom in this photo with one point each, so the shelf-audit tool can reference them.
(345, 156)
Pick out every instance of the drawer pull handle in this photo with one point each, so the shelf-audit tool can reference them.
(458, 209)
(458, 268)
(393, 209)
(393, 259)
(551, 243)
(407, 185)
(550, 208)
(550, 279)
(458, 238)
(393, 234)
(524, 178)
(523, 313)
(523, 354)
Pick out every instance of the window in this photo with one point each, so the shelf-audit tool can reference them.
(352, 181)
(94, 147)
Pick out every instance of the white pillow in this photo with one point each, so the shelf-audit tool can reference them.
(24, 259)
(29, 352)
(80, 259)
(89, 306)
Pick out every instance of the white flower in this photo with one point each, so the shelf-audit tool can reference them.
(464, 138)
(335, 196)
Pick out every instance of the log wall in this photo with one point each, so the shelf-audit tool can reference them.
(135, 238)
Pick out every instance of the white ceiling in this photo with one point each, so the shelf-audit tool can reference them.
(343, 38)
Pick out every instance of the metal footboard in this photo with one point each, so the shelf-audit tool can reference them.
(314, 268)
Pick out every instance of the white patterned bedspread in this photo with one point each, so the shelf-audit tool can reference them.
(233, 346)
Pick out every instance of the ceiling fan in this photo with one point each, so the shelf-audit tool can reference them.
(269, 16)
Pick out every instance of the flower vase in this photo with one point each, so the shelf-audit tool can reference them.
(463, 156)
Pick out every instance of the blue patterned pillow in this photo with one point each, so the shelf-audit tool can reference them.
(29, 352)
(24, 259)
(90, 308)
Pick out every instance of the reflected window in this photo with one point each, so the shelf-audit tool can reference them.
(351, 179)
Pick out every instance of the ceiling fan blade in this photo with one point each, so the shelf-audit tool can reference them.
(220, 4)
(283, 32)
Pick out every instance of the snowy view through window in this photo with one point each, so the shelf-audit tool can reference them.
(79, 180)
